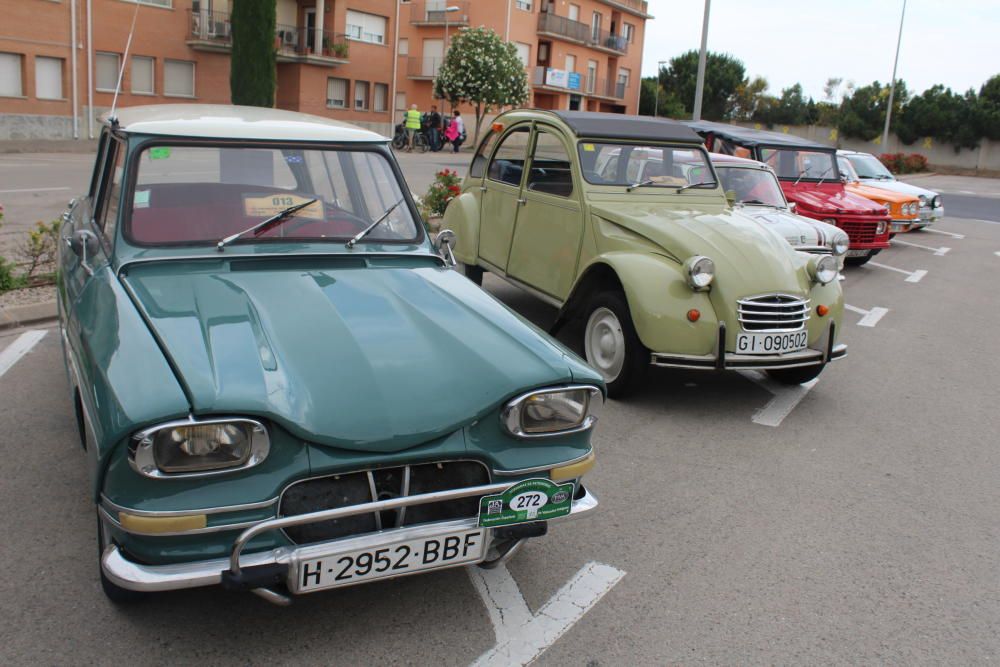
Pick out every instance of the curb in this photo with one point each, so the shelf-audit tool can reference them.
(32, 313)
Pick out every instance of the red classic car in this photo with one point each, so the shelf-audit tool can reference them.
(810, 178)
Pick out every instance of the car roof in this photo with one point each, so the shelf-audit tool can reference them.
(746, 136)
(620, 126)
(219, 121)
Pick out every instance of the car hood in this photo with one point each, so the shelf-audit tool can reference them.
(878, 193)
(749, 259)
(795, 229)
(360, 356)
(900, 186)
(831, 203)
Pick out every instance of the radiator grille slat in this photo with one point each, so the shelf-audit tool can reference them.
(773, 312)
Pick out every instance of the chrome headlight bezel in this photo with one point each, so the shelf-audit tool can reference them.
(881, 227)
(840, 243)
(699, 271)
(142, 454)
(513, 413)
(936, 201)
(923, 200)
(823, 268)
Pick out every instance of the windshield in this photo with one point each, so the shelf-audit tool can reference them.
(751, 185)
(200, 194)
(631, 164)
(868, 166)
(847, 169)
(793, 164)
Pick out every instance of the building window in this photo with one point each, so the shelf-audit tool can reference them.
(401, 102)
(48, 78)
(623, 77)
(366, 27)
(178, 78)
(628, 32)
(142, 75)
(591, 76)
(154, 3)
(381, 101)
(361, 95)
(523, 52)
(106, 67)
(404, 47)
(336, 93)
(595, 27)
(10, 75)
(523, 4)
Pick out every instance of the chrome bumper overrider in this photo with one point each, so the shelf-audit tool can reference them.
(150, 578)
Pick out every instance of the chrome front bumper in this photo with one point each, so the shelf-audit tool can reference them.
(151, 578)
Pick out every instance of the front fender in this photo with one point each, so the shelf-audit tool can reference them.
(659, 299)
(462, 217)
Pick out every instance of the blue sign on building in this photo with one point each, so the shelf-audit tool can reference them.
(573, 81)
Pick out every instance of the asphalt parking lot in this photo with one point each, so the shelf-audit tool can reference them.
(853, 521)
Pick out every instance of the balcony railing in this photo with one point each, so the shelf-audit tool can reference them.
(581, 32)
(573, 82)
(214, 30)
(637, 6)
(432, 12)
(423, 68)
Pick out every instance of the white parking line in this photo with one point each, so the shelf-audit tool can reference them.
(937, 251)
(20, 347)
(521, 636)
(786, 397)
(870, 317)
(941, 231)
(3, 192)
(911, 276)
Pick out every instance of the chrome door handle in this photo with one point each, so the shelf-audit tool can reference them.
(522, 202)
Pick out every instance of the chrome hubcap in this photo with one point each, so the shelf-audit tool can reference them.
(604, 344)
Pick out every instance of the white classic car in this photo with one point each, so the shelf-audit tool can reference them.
(871, 171)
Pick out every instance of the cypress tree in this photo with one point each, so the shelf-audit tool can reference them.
(252, 70)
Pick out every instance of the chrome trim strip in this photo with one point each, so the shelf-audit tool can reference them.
(528, 471)
(510, 414)
(262, 255)
(542, 296)
(374, 495)
(194, 531)
(208, 510)
(142, 459)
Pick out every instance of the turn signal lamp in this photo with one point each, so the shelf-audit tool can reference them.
(822, 310)
(497, 127)
(155, 525)
(694, 315)
(573, 470)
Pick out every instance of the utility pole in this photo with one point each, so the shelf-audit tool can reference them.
(892, 86)
(656, 98)
(700, 87)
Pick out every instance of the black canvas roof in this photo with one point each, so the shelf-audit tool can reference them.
(619, 126)
(745, 136)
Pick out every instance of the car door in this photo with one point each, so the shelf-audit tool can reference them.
(549, 227)
(502, 196)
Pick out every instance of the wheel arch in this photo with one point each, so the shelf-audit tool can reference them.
(462, 217)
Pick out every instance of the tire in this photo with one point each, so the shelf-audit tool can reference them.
(421, 143)
(796, 375)
(399, 142)
(112, 591)
(858, 261)
(611, 344)
(473, 273)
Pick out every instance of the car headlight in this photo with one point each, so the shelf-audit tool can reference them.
(699, 271)
(199, 447)
(923, 200)
(552, 411)
(830, 221)
(840, 244)
(823, 269)
(888, 208)
(880, 229)
(936, 201)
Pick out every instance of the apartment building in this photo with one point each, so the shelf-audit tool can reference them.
(362, 61)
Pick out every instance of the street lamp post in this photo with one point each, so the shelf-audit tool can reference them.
(700, 85)
(448, 10)
(892, 86)
(656, 98)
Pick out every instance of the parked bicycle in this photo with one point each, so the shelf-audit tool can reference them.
(401, 141)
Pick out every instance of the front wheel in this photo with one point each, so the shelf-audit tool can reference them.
(858, 261)
(473, 273)
(612, 345)
(420, 143)
(796, 375)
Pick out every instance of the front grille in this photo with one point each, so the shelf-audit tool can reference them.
(355, 488)
(773, 312)
(814, 249)
(860, 232)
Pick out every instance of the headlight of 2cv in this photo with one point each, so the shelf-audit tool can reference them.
(699, 272)
(840, 243)
(554, 411)
(202, 447)
(823, 269)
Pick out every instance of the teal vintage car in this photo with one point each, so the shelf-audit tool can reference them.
(280, 385)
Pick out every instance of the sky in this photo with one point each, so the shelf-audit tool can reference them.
(952, 42)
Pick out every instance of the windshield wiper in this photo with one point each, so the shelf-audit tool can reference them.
(275, 219)
(692, 185)
(640, 184)
(755, 201)
(801, 174)
(364, 232)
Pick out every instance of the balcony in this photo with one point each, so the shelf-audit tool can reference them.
(580, 84)
(423, 68)
(635, 7)
(432, 13)
(212, 31)
(569, 30)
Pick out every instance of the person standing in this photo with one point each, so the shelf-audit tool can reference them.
(434, 128)
(412, 124)
(456, 131)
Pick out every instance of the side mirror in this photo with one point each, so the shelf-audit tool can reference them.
(84, 244)
(444, 242)
(793, 207)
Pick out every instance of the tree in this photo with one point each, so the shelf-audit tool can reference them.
(748, 98)
(669, 105)
(483, 70)
(862, 113)
(988, 111)
(723, 76)
(946, 116)
(792, 108)
(252, 69)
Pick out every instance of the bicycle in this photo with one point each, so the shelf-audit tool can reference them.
(401, 141)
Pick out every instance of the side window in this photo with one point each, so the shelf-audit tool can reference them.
(478, 167)
(551, 171)
(508, 162)
(111, 189)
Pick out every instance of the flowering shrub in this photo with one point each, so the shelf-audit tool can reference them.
(444, 188)
(900, 163)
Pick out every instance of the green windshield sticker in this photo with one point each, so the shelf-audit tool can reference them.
(141, 199)
(159, 153)
(528, 500)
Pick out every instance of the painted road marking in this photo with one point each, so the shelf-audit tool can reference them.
(941, 231)
(521, 636)
(32, 190)
(988, 222)
(870, 317)
(911, 276)
(20, 347)
(937, 251)
(786, 397)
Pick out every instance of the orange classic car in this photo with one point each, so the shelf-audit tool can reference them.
(904, 209)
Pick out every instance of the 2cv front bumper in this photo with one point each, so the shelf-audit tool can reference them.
(257, 572)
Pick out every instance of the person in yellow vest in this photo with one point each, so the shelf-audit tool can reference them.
(412, 124)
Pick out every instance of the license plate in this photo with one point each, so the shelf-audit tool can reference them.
(771, 343)
(858, 253)
(901, 226)
(392, 560)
